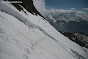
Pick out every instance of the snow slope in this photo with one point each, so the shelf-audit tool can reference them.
(27, 36)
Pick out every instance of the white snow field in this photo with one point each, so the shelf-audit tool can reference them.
(27, 36)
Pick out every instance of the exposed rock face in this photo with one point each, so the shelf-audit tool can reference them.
(28, 5)
(78, 37)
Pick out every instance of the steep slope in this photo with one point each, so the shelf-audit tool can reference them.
(27, 36)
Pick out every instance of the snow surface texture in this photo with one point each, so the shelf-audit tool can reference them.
(27, 36)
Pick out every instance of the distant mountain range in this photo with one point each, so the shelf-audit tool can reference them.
(75, 21)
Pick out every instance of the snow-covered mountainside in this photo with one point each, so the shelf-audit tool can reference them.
(24, 35)
(74, 21)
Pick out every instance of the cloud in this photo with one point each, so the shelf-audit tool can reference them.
(62, 10)
(40, 6)
(73, 9)
(85, 8)
(82, 12)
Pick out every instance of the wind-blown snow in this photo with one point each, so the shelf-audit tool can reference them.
(27, 36)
